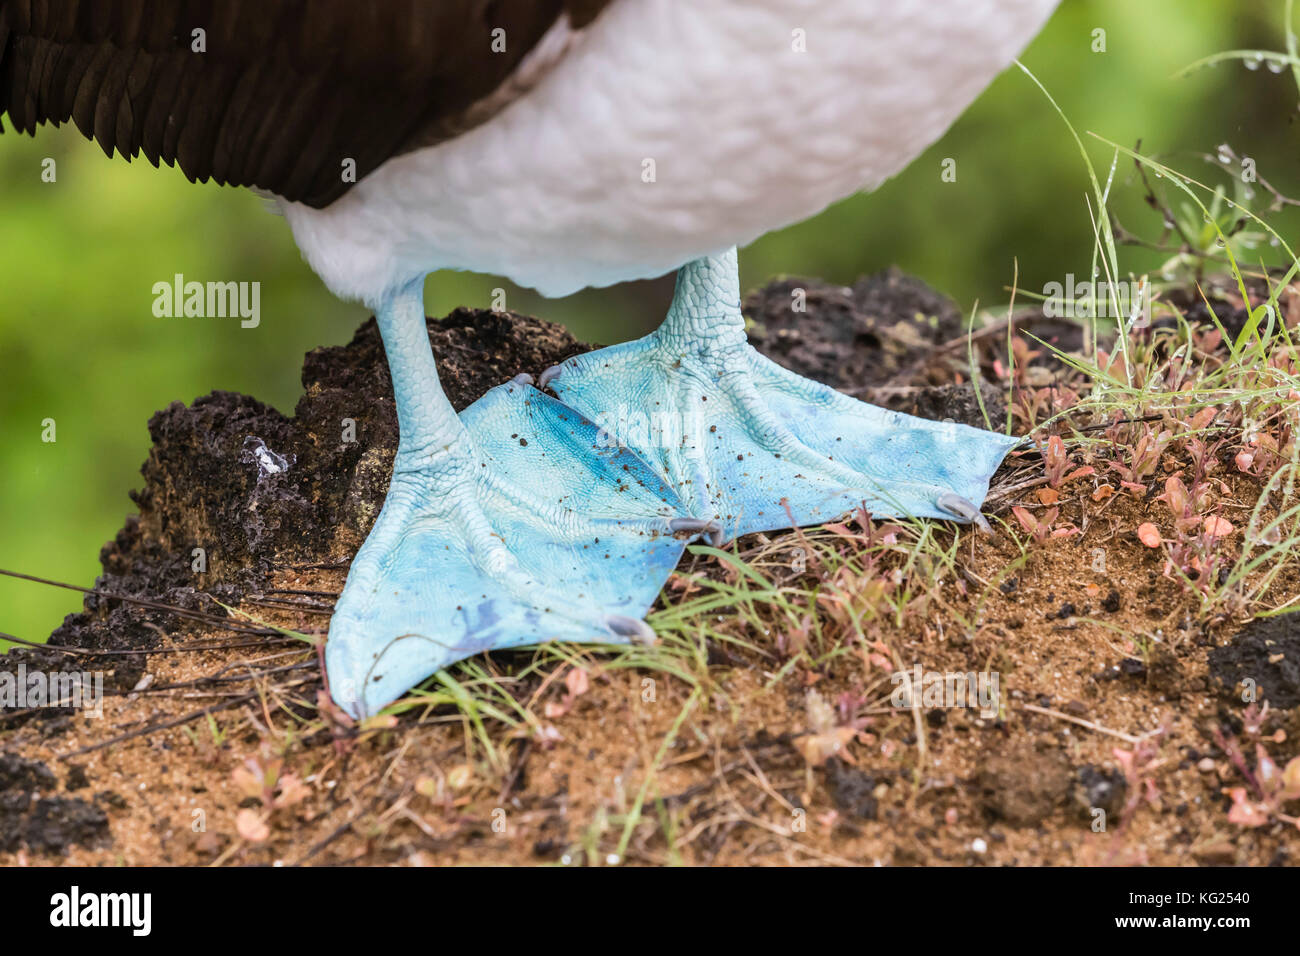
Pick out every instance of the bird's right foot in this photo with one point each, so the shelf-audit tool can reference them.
(529, 528)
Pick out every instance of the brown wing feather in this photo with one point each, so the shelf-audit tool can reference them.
(285, 91)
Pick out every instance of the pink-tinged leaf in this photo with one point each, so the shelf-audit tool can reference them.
(1244, 460)
(1218, 527)
(248, 780)
(1266, 769)
(1149, 534)
(817, 748)
(577, 682)
(1202, 419)
(1027, 520)
(1246, 812)
(1134, 487)
(1065, 532)
(1083, 472)
(1176, 496)
(1125, 759)
(292, 790)
(250, 825)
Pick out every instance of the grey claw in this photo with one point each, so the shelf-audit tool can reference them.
(955, 504)
(549, 376)
(523, 378)
(695, 526)
(630, 627)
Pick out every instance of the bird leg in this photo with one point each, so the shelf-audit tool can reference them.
(515, 523)
(750, 444)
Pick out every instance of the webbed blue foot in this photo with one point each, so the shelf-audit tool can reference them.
(741, 439)
(513, 524)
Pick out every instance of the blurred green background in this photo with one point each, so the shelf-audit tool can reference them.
(78, 259)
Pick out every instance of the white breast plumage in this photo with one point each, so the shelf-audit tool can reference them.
(672, 129)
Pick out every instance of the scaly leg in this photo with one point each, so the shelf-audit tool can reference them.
(515, 523)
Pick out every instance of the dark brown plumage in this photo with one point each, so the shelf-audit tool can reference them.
(284, 92)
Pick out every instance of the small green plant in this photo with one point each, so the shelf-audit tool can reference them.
(264, 779)
(1269, 788)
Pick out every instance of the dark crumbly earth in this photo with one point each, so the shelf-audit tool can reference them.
(216, 743)
(1266, 651)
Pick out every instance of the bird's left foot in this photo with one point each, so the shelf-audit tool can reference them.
(752, 445)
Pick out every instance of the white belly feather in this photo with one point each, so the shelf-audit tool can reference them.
(742, 132)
